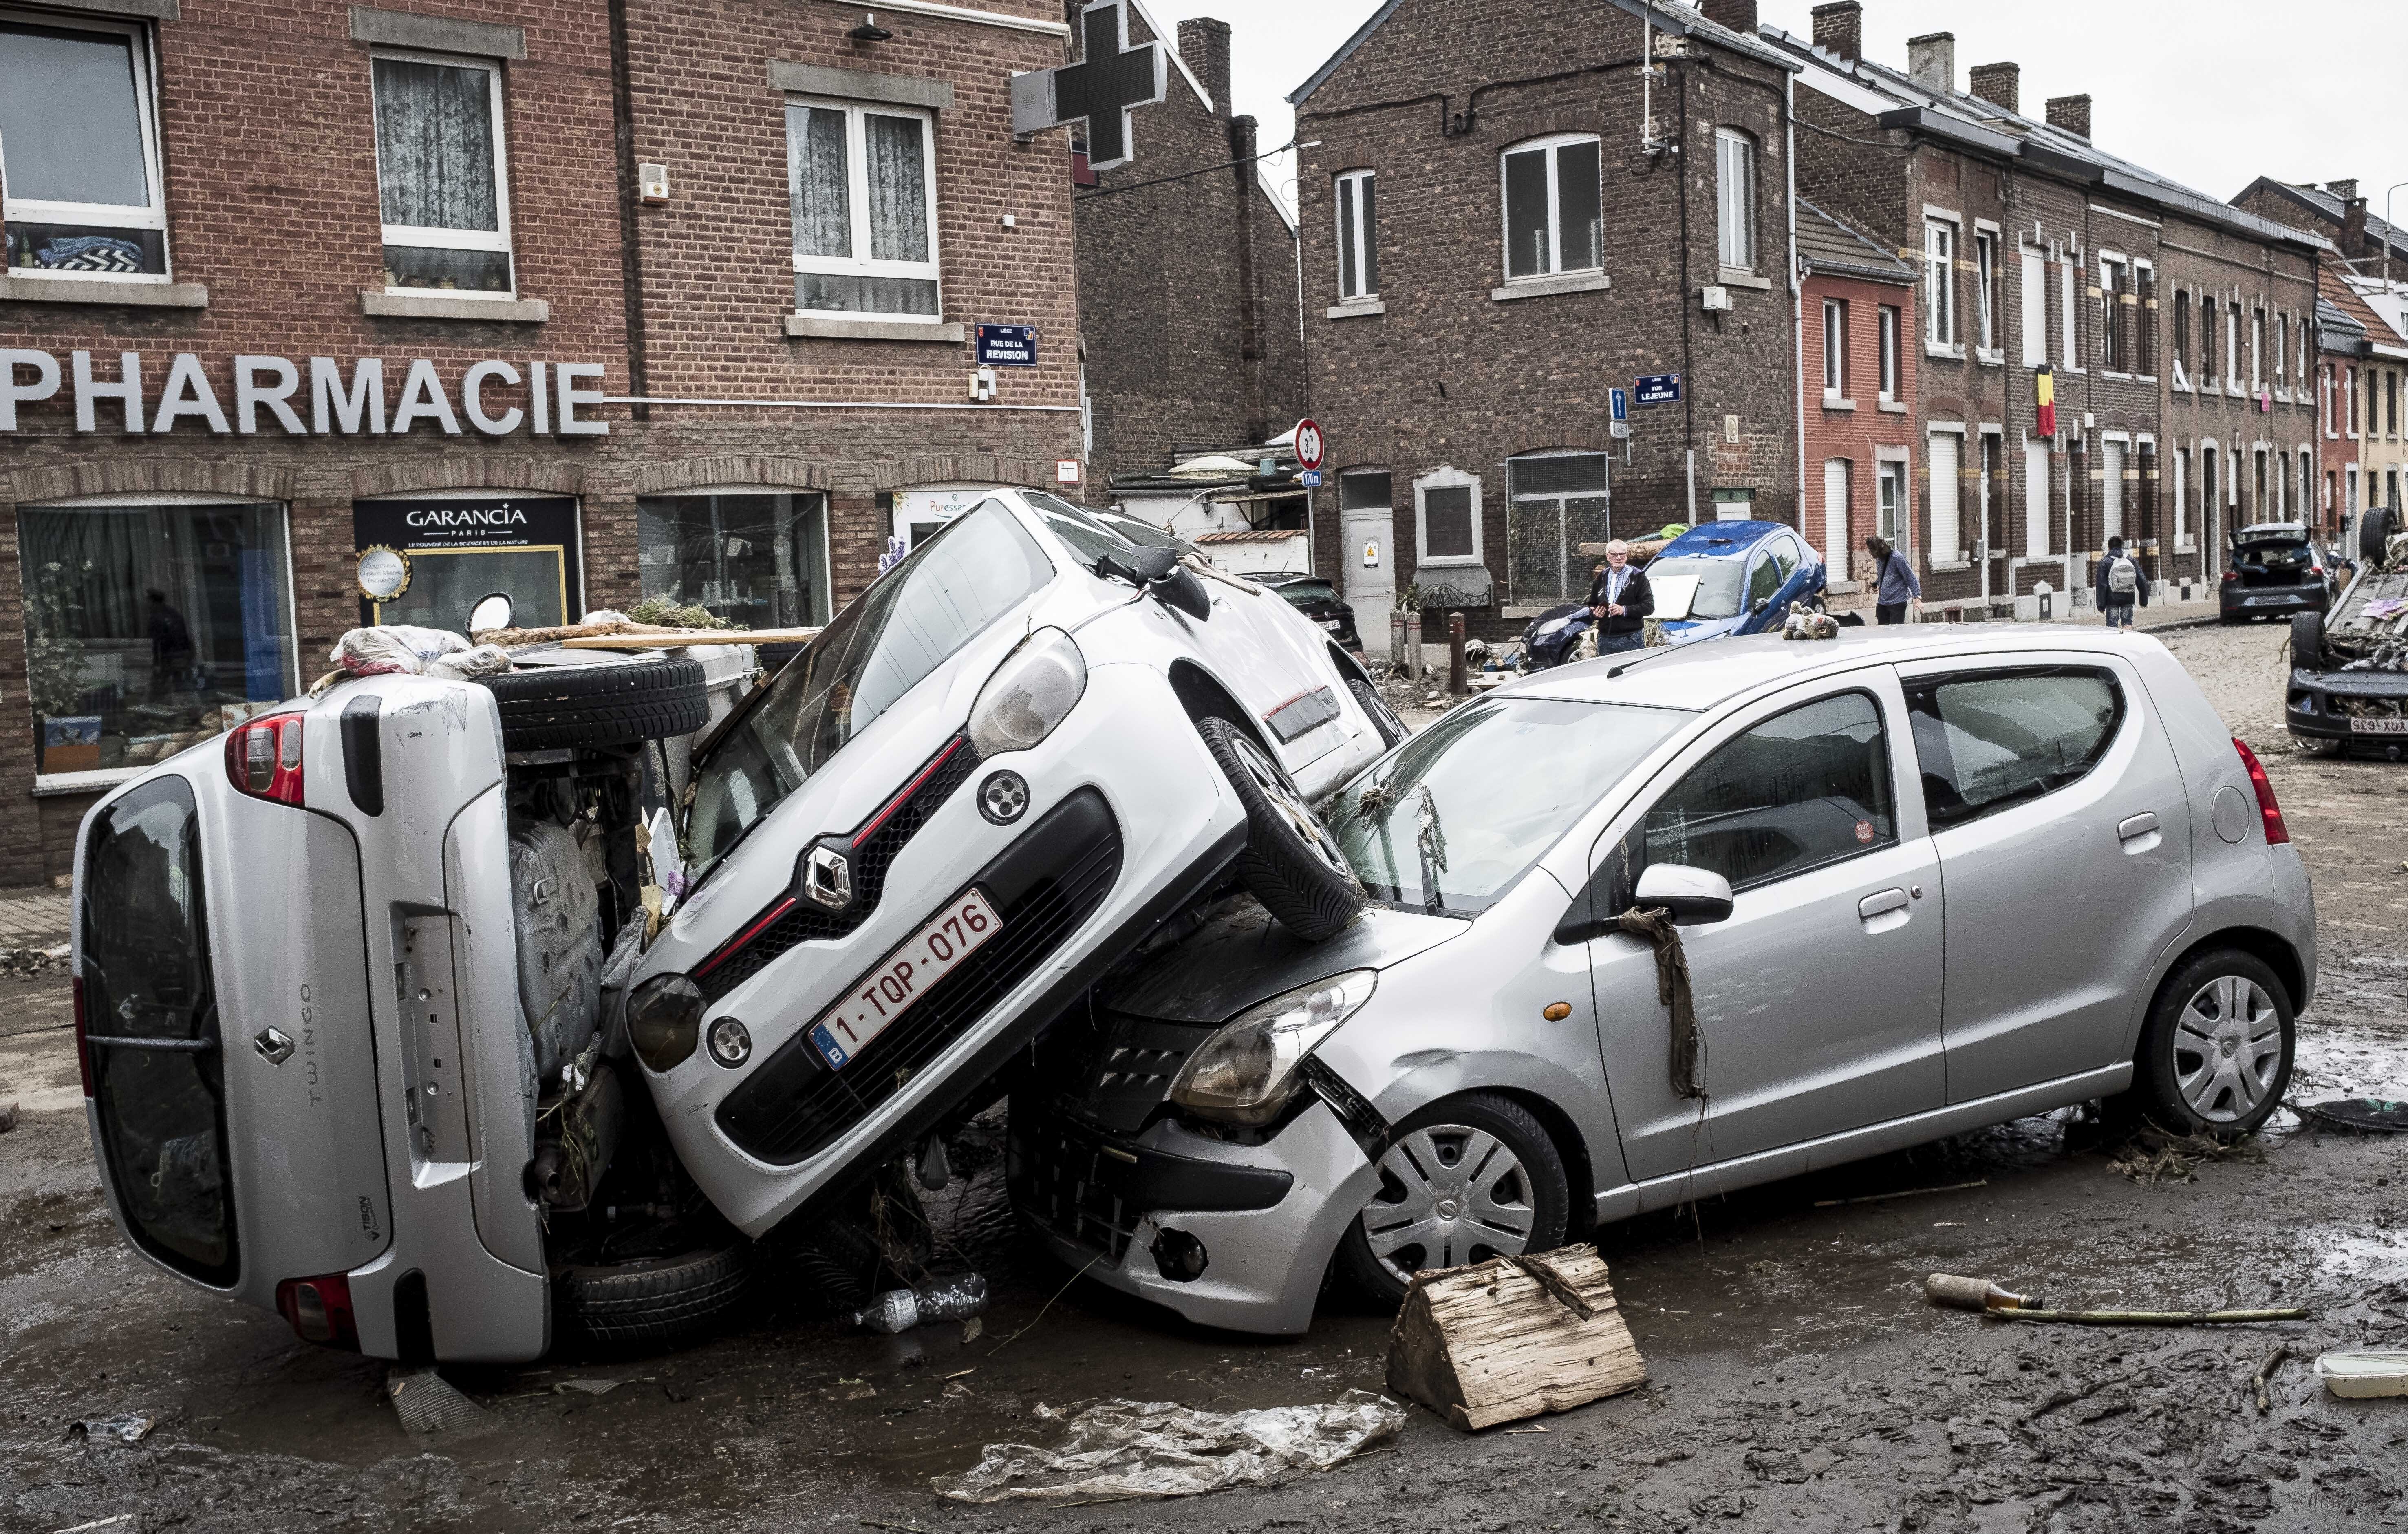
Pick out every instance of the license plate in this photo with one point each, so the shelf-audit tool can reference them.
(2378, 726)
(931, 954)
(1329, 623)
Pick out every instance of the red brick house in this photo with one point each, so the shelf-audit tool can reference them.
(1856, 382)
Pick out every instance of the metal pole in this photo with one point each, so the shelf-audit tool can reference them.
(1459, 685)
(1693, 487)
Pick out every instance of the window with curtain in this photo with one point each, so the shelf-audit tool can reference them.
(439, 130)
(1553, 208)
(78, 156)
(1735, 197)
(1359, 236)
(1939, 282)
(862, 184)
(759, 558)
(151, 628)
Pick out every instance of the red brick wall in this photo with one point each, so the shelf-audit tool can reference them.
(1854, 434)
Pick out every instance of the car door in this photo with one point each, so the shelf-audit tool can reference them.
(2064, 834)
(1819, 999)
(1764, 578)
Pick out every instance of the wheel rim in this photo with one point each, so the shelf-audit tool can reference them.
(1291, 807)
(2227, 1049)
(1448, 1195)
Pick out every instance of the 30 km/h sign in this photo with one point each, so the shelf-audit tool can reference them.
(1308, 445)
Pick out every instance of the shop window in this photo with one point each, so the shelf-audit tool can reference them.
(78, 150)
(757, 557)
(864, 206)
(457, 547)
(439, 174)
(150, 627)
(1553, 208)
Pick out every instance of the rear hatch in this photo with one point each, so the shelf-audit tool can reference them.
(223, 1003)
(2276, 563)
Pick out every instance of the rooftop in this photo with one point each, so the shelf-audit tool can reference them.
(1828, 243)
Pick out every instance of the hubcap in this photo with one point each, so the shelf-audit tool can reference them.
(1291, 806)
(1448, 1195)
(2227, 1049)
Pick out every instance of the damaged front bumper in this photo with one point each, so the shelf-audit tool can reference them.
(2365, 707)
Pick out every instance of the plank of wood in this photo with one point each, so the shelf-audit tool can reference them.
(693, 641)
(1493, 1344)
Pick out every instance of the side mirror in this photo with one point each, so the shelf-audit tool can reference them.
(1695, 897)
(1139, 566)
(491, 610)
(1761, 603)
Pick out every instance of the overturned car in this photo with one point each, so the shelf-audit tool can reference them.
(2349, 683)
(406, 1011)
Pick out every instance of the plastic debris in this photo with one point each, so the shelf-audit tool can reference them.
(2366, 1115)
(111, 1429)
(1163, 1449)
(2363, 1373)
(900, 1309)
(428, 1403)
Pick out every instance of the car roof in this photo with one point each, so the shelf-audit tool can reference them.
(1710, 672)
(2275, 529)
(1721, 539)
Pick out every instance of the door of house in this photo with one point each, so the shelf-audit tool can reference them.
(1835, 519)
(1994, 516)
(1369, 565)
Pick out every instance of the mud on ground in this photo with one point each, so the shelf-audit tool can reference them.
(1799, 1381)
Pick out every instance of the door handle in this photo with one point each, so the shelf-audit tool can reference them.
(1881, 904)
(2141, 824)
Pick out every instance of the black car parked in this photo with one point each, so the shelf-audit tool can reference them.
(1316, 598)
(2275, 570)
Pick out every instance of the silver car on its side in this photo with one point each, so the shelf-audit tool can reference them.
(1927, 879)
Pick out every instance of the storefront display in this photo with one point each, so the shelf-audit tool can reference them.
(459, 547)
(150, 626)
(921, 509)
(758, 558)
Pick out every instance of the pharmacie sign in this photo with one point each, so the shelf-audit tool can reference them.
(315, 397)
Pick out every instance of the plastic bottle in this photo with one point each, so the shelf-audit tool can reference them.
(900, 1309)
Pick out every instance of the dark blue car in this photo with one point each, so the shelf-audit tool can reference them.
(1723, 578)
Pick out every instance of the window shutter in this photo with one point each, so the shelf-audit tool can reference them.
(1945, 447)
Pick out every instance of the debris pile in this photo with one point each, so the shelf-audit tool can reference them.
(2155, 1156)
(1163, 1449)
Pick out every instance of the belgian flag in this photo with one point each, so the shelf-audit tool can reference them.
(2045, 381)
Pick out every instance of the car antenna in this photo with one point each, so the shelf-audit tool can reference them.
(1653, 652)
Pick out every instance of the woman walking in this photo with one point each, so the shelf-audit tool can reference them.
(1895, 583)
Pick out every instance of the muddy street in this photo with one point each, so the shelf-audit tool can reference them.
(1797, 1379)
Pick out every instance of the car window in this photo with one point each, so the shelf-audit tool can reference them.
(1784, 554)
(973, 570)
(1304, 592)
(1805, 788)
(1691, 586)
(1764, 578)
(1468, 804)
(1093, 534)
(1989, 740)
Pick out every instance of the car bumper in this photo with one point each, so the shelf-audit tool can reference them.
(2370, 707)
(2249, 603)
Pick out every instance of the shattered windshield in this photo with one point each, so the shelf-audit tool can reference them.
(972, 571)
(1464, 807)
(1688, 586)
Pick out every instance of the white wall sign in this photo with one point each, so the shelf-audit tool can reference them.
(493, 396)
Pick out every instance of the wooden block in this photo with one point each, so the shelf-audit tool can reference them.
(1493, 1344)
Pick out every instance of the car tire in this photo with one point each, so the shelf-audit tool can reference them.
(656, 1302)
(1291, 863)
(2308, 640)
(1414, 1174)
(2375, 526)
(551, 707)
(772, 658)
(2224, 1004)
(1383, 718)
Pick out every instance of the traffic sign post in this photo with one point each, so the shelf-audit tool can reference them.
(1312, 478)
(1310, 447)
(1621, 399)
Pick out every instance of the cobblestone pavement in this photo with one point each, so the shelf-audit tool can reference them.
(32, 918)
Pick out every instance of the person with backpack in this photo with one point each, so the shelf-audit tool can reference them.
(2120, 586)
(1894, 582)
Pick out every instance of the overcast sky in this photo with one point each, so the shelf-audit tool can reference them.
(2300, 90)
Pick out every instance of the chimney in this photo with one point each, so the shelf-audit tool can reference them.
(2071, 113)
(2345, 191)
(2000, 84)
(2354, 241)
(1840, 29)
(1931, 62)
(1204, 44)
(1738, 15)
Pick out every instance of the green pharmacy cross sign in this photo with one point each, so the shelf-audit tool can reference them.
(1111, 81)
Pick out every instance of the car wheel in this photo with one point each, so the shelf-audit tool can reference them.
(655, 1302)
(2308, 640)
(2216, 1053)
(1463, 1180)
(551, 708)
(1383, 718)
(1292, 863)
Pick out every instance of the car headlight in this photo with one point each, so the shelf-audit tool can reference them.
(1033, 690)
(1545, 629)
(1244, 1074)
(664, 1020)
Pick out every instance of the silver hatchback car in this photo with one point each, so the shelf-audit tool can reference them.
(1926, 880)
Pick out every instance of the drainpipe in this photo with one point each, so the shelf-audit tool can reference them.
(1797, 316)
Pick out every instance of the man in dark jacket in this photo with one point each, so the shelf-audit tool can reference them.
(1620, 601)
(2120, 584)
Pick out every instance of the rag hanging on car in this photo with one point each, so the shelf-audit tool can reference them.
(1672, 990)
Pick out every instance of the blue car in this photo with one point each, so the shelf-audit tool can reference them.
(1724, 578)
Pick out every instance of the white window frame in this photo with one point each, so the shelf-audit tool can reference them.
(1894, 469)
(415, 237)
(1987, 343)
(1940, 284)
(1735, 214)
(153, 216)
(2349, 403)
(2068, 284)
(2324, 400)
(2034, 288)
(856, 168)
(1550, 143)
(2144, 319)
(1835, 351)
(2282, 356)
(1448, 476)
(2182, 490)
(1887, 323)
(1355, 228)
(2179, 368)
(2232, 346)
(2257, 350)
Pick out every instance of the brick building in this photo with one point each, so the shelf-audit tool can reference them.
(586, 301)
(1503, 219)
(1857, 377)
(1187, 277)
(2357, 347)
(2043, 256)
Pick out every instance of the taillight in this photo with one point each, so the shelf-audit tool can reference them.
(264, 757)
(320, 1310)
(84, 1051)
(2268, 811)
(2232, 575)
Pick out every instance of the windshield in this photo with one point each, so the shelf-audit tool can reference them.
(1464, 807)
(972, 571)
(1688, 586)
(1303, 592)
(1092, 533)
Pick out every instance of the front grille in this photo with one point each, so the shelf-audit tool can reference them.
(1058, 1179)
(1045, 886)
(2366, 707)
(876, 845)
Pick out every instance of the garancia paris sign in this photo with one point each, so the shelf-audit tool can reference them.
(319, 396)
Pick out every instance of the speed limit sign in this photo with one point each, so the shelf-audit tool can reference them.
(1308, 444)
